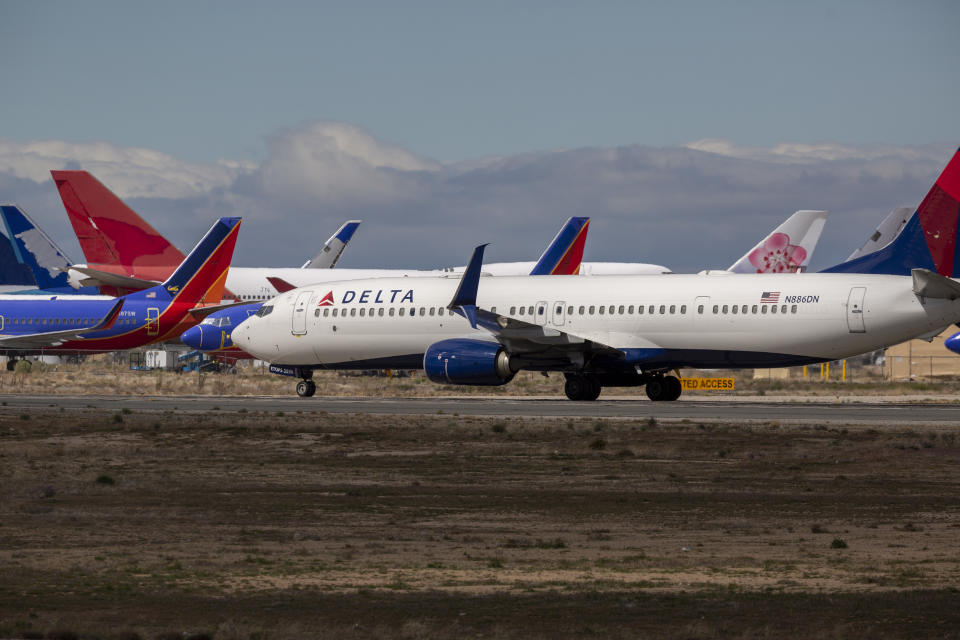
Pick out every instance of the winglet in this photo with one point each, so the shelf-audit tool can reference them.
(111, 317)
(565, 252)
(281, 285)
(334, 246)
(465, 299)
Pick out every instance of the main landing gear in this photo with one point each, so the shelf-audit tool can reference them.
(580, 387)
(306, 387)
(666, 388)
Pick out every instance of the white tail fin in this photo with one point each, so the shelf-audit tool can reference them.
(787, 248)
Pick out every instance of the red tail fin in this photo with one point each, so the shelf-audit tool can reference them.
(109, 231)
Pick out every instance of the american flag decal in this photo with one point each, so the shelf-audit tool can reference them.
(770, 296)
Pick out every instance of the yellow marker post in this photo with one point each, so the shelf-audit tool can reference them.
(844, 378)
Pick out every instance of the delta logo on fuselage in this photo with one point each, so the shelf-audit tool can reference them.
(370, 296)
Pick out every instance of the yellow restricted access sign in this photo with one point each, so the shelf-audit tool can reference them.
(707, 384)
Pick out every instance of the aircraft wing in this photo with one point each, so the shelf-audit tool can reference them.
(333, 247)
(520, 336)
(98, 278)
(203, 312)
(56, 338)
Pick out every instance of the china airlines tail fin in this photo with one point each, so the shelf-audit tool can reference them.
(565, 252)
(333, 247)
(35, 251)
(929, 238)
(109, 231)
(787, 248)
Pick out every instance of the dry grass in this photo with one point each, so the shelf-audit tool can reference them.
(248, 525)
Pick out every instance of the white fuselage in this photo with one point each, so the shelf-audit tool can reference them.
(686, 320)
(250, 283)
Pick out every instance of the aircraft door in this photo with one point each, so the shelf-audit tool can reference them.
(557, 316)
(855, 310)
(153, 321)
(299, 320)
(541, 313)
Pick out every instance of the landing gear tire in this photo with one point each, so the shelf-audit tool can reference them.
(11, 364)
(579, 388)
(595, 389)
(306, 388)
(664, 388)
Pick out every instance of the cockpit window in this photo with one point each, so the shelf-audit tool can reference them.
(265, 310)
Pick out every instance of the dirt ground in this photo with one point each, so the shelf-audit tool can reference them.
(247, 525)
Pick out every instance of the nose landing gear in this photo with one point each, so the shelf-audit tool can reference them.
(306, 387)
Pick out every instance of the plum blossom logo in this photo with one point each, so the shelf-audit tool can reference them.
(777, 255)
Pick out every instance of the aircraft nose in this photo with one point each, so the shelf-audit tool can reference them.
(193, 337)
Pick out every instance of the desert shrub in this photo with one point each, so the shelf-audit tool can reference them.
(105, 479)
(117, 418)
(499, 427)
(838, 543)
(598, 444)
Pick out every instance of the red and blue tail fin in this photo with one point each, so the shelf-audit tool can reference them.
(927, 241)
(109, 231)
(565, 252)
(202, 275)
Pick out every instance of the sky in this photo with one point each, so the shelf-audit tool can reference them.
(686, 130)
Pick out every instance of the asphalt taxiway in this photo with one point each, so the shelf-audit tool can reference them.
(885, 413)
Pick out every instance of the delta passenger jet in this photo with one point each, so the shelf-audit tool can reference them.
(621, 330)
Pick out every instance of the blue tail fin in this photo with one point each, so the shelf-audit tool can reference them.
(927, 241)
(36, 250)
(565, 252)
(12, 273)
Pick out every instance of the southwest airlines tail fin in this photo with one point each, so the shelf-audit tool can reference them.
(202, 274)
(35, 251)
(109, 231)
(565, 252)
(927, 241)
(333, 247)
(787, 248)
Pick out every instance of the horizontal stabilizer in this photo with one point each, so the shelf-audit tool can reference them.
(98, 278)
(203, 312)
(928, 284)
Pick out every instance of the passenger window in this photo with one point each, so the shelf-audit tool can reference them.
(522, 310)
(513, 311)
(611, 310)
(699, 308)
(363, 312)
(773, 308)
(326, 312)
(591, 309)
(530, 310)
(793, 309)
(540, 311)
(390, 312)
(783, 309)
(735, 309)
(629, 309)
(620, 310)
(725, 307)
(439, 311)
(334, 313)
(763, 308)
(753, 309)
(433, 310)
(601, 309)
(423, 311)
(316, 313)
(650, 309)
(402, 311)
(581, 310)
(715, 308)
(570, 310)
(683, 309)
(559, 310)
(663, 309)
(413, 311)
(353, 312)
(673, 309)
(380, 312)
(640, 309)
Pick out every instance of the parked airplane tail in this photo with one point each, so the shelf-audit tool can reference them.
(12, 271)
(202, 274)
(35, 251)
(927, 241)
(333, 247)
(787, 248)
(565, 252)
(109, 231)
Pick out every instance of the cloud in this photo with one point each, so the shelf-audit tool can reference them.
(693, 207)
